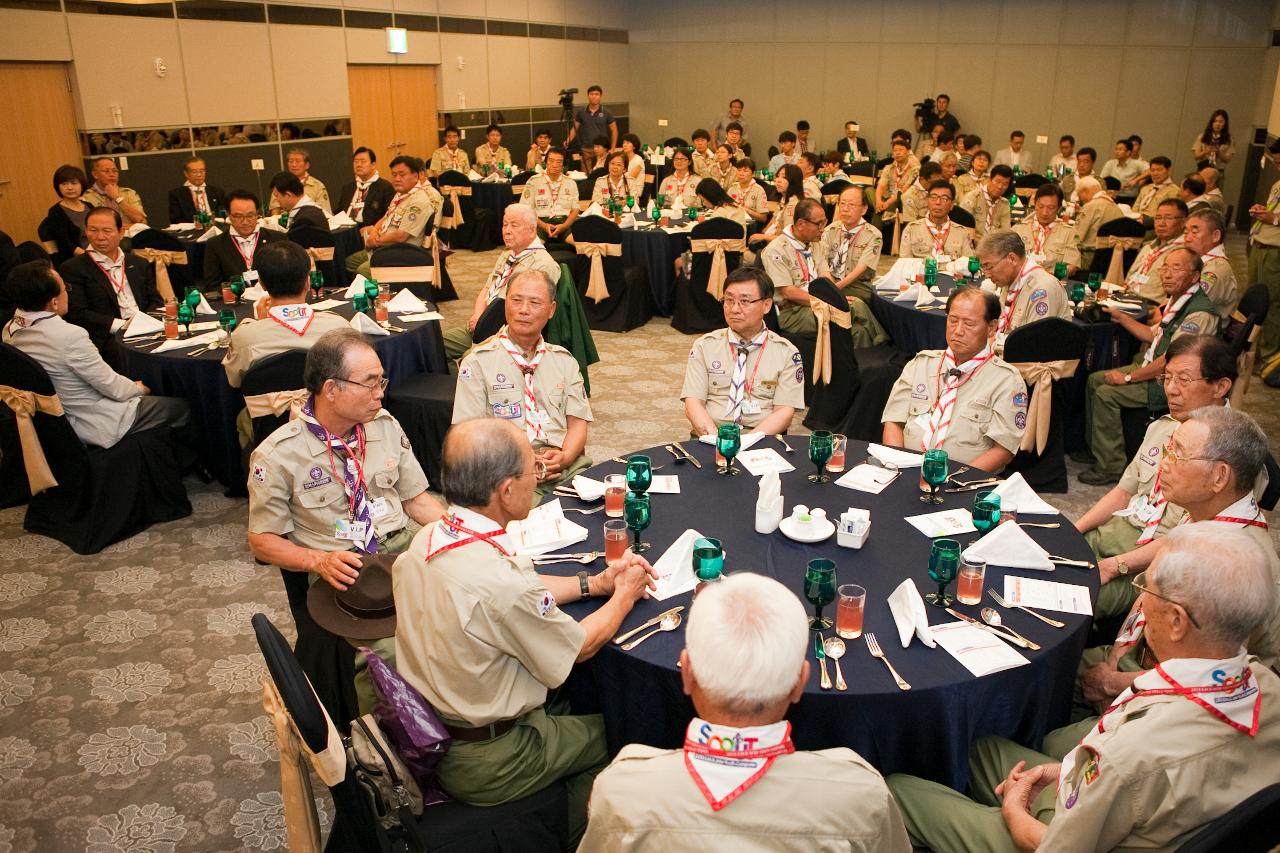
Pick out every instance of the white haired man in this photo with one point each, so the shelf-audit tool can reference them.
(739, 782)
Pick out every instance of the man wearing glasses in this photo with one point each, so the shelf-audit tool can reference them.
(744, 374)
(235, 252)
(1188, 310)
(791, 263)
(1185, 744)
(936, 236)
(1027, 291)
(1144, 276)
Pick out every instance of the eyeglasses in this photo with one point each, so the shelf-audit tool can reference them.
(730, 302)
(820, 223)
(987, 268)
(379, 385)
(1180, 381)
(242, 217)
(539, 471)
(1140, 584)
(1176, 458)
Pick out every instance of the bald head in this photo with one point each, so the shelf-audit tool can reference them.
(478, 455)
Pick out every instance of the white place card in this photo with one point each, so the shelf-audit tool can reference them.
(948, 522)
(1047, 595)
(665, 484)
(868, 478)
(420, 318)
(326, 304)
(762, 461)
(545, 529)
(978, 651)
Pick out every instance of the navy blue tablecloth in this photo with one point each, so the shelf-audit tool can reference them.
(925, 731)
(201, 381)
(346, 241)
(656, 251)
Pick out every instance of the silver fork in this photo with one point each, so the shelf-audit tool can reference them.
(584, 511)
(999, 599)
(874, 648)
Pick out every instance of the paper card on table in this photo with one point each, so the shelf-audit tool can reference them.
(209, 235)
(1015, 491)
(901, 458)
(204, 307)
(340, 220)
(356, 288)
(405, 302)
(545, 529)
(675, 568)
(679, 229)
(589, 489)
(420, 318)
(748, 439)
(763, 461)
(142, 324)
(1047, 595)
(365, 326)
(664, 484)
(204, 326)
(947, 522)
(978, 651)
(188, 343)
(1010, 546)
(326, 304)
(867, 478)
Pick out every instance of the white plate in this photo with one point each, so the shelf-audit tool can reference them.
(818, 531)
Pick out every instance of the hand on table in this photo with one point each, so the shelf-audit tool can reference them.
(338, 568)
(631, 577)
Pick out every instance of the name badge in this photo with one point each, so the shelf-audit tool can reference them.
(750, 407)
(1137, 278)
(250, 277)
(352, 531)
(379, 508)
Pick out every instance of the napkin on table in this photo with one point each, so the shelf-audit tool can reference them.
(902, 271)
(142, 324)
(186, 343)
(1018, 492)
(254, 293)
(587, 488)
(362, 324)
(421, 318)
(576, 175)
(182, 226)
(769, 498)
(135, 229)
(406, 302)
(204, 307)
(356, 288)
(926, 295)
(901, 458)
(675, 568)
(1010, 546)
(544, 530)
(909, 616)
(748, 439)
(340, 220)
(594, 209)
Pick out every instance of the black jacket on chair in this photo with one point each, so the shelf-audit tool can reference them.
(222, 259)
(376, 200)
(91, 300)
(182, 205)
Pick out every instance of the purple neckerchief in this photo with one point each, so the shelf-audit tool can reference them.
(354, 485)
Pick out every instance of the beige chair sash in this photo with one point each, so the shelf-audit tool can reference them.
(407, 275)
(597, 288)
(24, 405)
(457, 219)
(301, 822)
(276, 403)
(825, 314)
(319, 253)
(162, 259)
(432, 242)
(719, 266)
(50, 246)
(1039, 376)
(1119, 245)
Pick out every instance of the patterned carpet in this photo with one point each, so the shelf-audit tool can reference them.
(130, 716)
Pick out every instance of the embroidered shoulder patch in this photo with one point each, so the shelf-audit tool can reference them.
(544, 606)
(1042, 308)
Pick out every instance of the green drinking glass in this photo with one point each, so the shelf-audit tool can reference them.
(1095, 281)
(1077, 292)
(944, 562)
(185, 315)
(316, 279)
(986, 512)
(371, 290)
(820, 590)
(639, 473)
(934, 469)
(1060, 270)
(635, 510)
(237, 287)
(226, 317)
(361, 303)
(821, 446)
(708, 559)
(192, 298)
(728, 443)
(975, 266)
(691, 214)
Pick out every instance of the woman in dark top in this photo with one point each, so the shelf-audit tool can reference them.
(64, 226)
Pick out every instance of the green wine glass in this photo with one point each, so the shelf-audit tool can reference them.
(360, 302)
(185, 316)
(635, 510)
(1060, 270)
(975, 266)
(371, 291)
(691, 213)
(934, 470)
(708, 559)
(986, 512)
(820, 590)
(944, 562)
(192, 298)
(639, 473)
(316, 279)
(821, 446)
(237, 287)
(1095, 281)
(728, 443)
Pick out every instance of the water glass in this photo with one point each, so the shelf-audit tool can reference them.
(615, 539)
(986, 512)
(635, 509)
(838, 444)
(728, 443)
(1008, 512)
(935, 470)
(973, 572)
(821, 446)
(639, 473)
(615, 486)
(944, 561)
(851, 601)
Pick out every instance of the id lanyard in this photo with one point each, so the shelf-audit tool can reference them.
(107, 271)
(352, 459)
(248, 259)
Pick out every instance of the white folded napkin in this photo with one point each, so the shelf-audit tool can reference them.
(183, 226)
(546, 529)
(769, 505)
(204, 307)
(473, 175)
(909, 615)
(421, 318)
(899, 457)
(927, 295)
(272, 223)
(675, 568)
(575, 175)
(770, 489)
(213, 231)
(135, 229)
(627, 221)
(594, 209)
(187, 343)
(588, 489)
(748, 439)
(902, 271)
(867, 478)
(254, 293)
(365, 326)
(142, 324)
(356, 288)
(1010, 546)
(1018, 492)
(340, 220)
(405, 302)
(911, 294)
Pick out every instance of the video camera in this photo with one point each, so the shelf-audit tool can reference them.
(566, 98)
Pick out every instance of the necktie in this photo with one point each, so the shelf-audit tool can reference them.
(201, 202)
(734, 410)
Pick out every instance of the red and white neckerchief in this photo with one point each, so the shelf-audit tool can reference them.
(1015, 290)
(804, 256)
(554, 190)
(678, 185)
(1218, 252)
(454, 154)
(533, 417)
(1040, 235)
(27, 319)
(616, 191)
(1171, 310)
(460, 526)
(294, 317)
(492, 154)
(1233, 696)
(1159, 504)
(899, 172)
(1244, 512)
(991, 209)
(499, 285)
(935, 432)
(739, 193)
(357, 198)
(938, 236)
(725, 170)
(1154, 255)
(847, 236)
(725, 761)
(250, 243)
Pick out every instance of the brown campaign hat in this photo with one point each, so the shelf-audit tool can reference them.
(366, 610)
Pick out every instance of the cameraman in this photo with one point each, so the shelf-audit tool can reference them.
(590, 123)
(924, 116)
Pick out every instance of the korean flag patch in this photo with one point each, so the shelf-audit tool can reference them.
(544, 606)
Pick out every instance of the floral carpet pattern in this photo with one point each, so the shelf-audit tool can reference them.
(130, 682)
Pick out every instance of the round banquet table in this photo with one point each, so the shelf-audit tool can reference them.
(202, 382)
(925, 731)
(656, 251)
(346, 241)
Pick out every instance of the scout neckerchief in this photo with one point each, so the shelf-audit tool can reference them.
(250, 243)
(1244, 512)
(725, 761)
(1159, 503)
(991, 209)
(498, 286)
(725, 170)
(679, 185)
(294, 317)
(200, 196)
(391, 208)
(938, 236)
(1233, 696)
(1171, 311)
(847, 236)
(739, 193)
(740, 387)
(357, 199)
(1217, 252)
(1040, 235)
(462, 526)
(804, 256)
(1006, 316)
(554, 190)
(616, 191)
(1154, 255)
(453, 154)
(358, 507)
(939, 424)
(27, 319)
(532, 416)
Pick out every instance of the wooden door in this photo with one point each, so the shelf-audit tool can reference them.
(413, 90)
(39, 136)
(393, 109)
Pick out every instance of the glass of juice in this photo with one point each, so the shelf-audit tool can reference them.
(615, 539)
(851, 599)
(836, 463)
(615, 488)
(171, 308)
(171, 325)
(969, 582)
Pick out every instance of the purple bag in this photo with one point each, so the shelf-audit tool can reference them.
(411, 724)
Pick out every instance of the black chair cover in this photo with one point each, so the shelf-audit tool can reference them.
(878, 369)
(1251, 825)
(960, 216)
(181, 276)
(491, 321)
(863, 168)
(476, 231)
(628, 304)
(310, 237)
(279, 372)
(423, 405)
(1030, 182)
(697, 312)
(1122, 227)
(407, 255)
(830, 404)
(1051, 339)
(1253, 306)
(676, 142)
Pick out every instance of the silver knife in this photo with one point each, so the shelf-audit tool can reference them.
(989, 629)
(622, 638)
(687, 455)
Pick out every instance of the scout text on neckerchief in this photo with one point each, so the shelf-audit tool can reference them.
(1233, 696)
(532, 416)
(1006, 316)
(725, 761)
(358, 508)
(940, 415)
(1170, 312)
(739, 386)
(294, 317)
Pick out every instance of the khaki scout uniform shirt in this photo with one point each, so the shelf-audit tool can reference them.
(293, 491)
(1139, 477)
(865, 248)
(1041, 296)
(1163, 768)
(917, 241)
(913, 203)
(486, 157)
(753, 198)
(680, 196)
(490, 385)
(1264, 232)
(966, 183)
(647, 800)
(314, 189)
(812, 188)
(1148, 284)
(550, 200)
(1095, 213)
(785, 263)
(990, 408)
(604, 191)
(444, 160)
(1218, 281)
(410, 212)
(1150, 196)
(478, 634)
(254, 340)
(892, 181)
(533, 258)
(988, 214)
(725, 177)
(94, 198)
(775, 375)
(1062, 244)
(703, 163)
(726, 211)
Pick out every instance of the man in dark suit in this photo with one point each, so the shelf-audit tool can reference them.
(195, 195)
(851, 143)
(297, 204)
(366, 198)
(106, 287)
(233, 253)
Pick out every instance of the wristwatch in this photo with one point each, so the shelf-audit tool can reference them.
(1121, 566)
(1128, 378)
(583, 584)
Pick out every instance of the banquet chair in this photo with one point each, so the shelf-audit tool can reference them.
(403, 266)
(960, 216)
(103, 494)
(322, 241)
(1026, 185)
(568, 327)
(467, 226)
(1241, 334)
(306, 735)
(598, 242)
(696, 310)
(831, 194)
(14, 490)
(676, 142)
(861, 169)
(179, 272)
(1102, 255)
(1111, 184)
(423, 404)
(831, 401)
(1251, 825)
(518, 182)
(1049, 340)
(491, 321)
(275, 373)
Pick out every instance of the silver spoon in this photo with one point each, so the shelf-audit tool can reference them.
(668, 623)
(834, 647)
(680, 460)
(992, 618)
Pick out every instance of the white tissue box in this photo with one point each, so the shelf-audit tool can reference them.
(853, 529)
